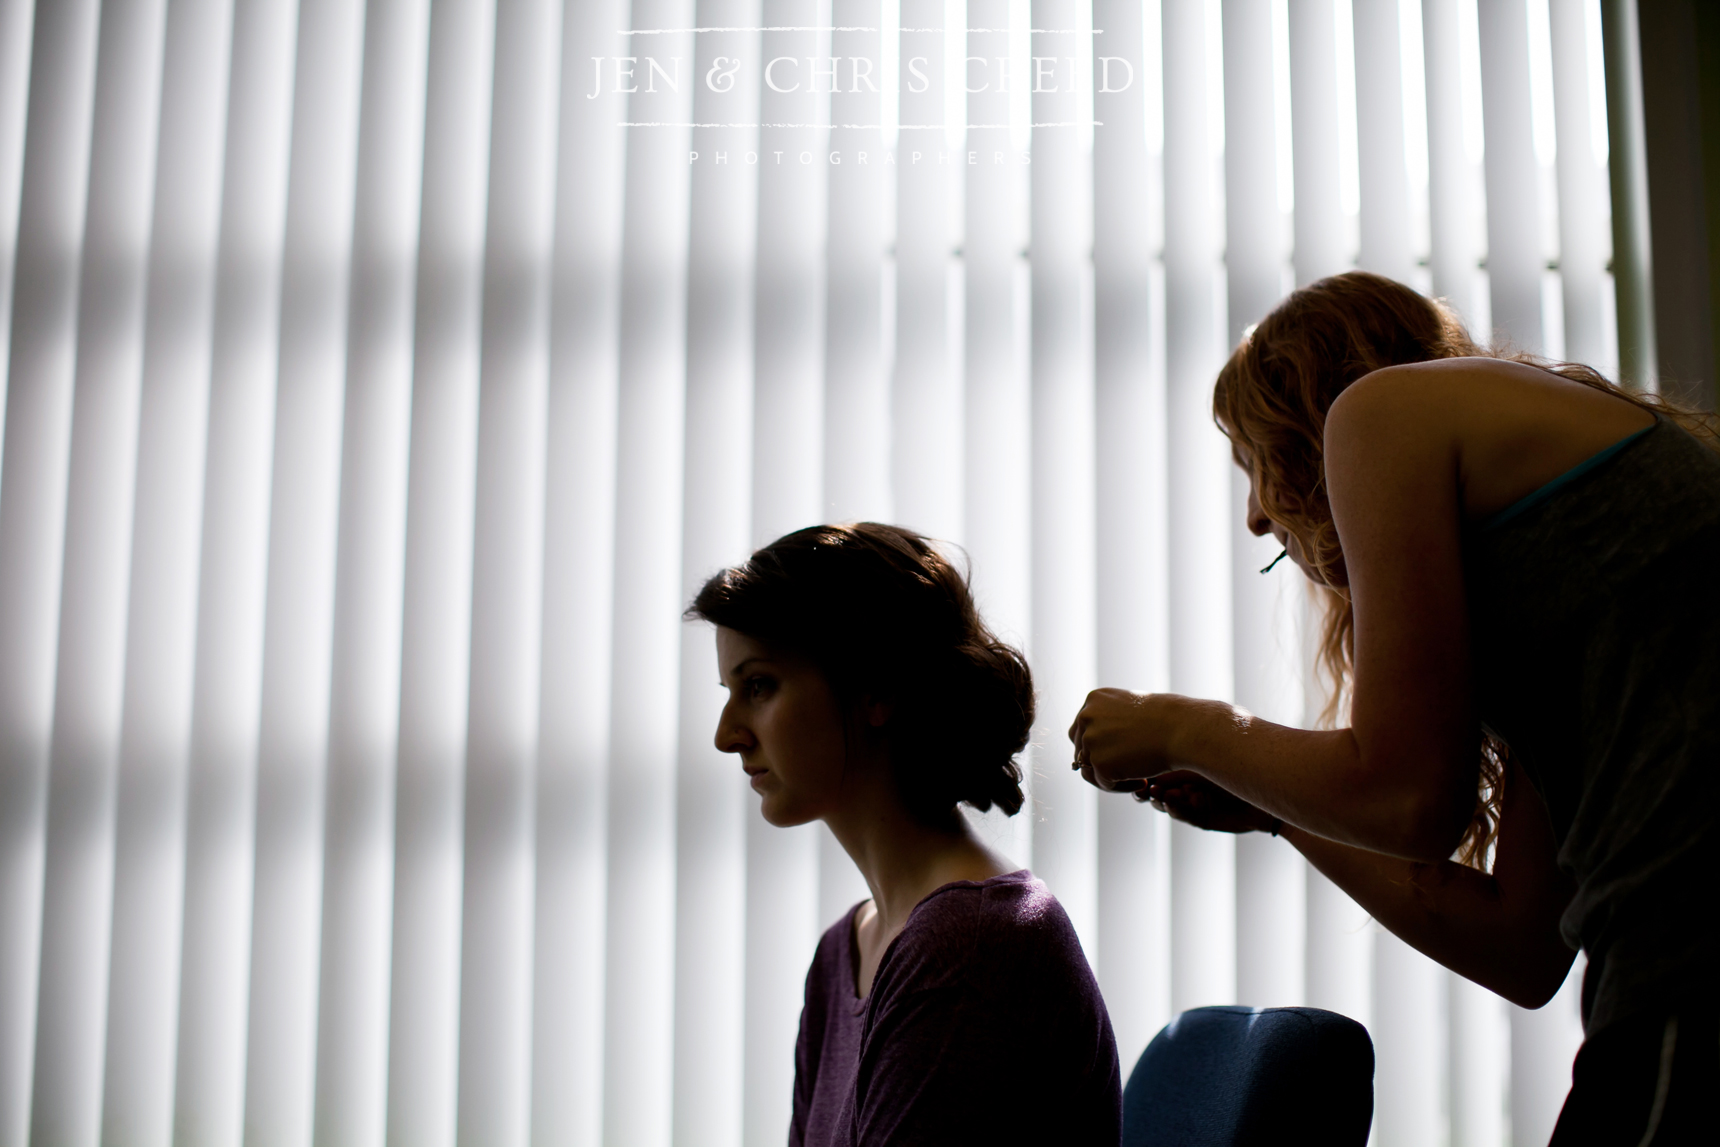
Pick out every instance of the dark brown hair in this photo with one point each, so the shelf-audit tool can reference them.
(1271, 400)
(883, 614)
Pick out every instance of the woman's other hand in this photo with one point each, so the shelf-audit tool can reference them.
(1192, 799)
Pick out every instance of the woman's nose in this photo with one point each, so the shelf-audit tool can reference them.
(732, 736)
(1258, 523)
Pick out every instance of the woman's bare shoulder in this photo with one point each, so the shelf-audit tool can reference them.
(1449, 389)
(1402, 412)
(1475, 385)
(1507, 426)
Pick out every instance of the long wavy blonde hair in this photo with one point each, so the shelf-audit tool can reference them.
(1271, 399)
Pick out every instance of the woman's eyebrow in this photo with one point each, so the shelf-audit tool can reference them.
(740, 667)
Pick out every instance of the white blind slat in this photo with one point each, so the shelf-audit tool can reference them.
(499, 897)
(856, 406)
(1256, 221)
(1326, 226)
(1542, 1043)
(299, 622)
(89, 686)
(579, 533)
(1516, 215)
(83, 782)
(712, 807)
(17, 19)
(790, 311)
(215, 962)
(1063, 641)
(1389, 240)
(639, 1014)
(352, 1020)
(1202, 866)
(1340, 948)
(1133, 927)
(1269, 881)
(32, 509)
(782, 865)
(996, 480)
(149, 874)
(1457, 195)
(423, 1047)
(1479, 1051)
(1585, 201)
(857, 385)
(926, 386)
(1409, 1041)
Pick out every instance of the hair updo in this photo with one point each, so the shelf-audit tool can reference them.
(883, 614)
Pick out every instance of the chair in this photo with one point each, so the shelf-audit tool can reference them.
(1224, 1076)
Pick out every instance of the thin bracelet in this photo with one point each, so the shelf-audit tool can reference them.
(1277, 825)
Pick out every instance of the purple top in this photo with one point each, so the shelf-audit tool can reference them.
(984, 1025)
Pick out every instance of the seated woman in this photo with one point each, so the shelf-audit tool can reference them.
(955, 1005)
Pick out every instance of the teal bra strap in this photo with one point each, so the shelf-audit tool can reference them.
(1530, 501)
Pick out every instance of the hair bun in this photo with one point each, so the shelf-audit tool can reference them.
(994, 704)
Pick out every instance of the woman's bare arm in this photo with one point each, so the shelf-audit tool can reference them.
(1401, 778)
(1318, 779)
(1499, 929)
(1411, 453)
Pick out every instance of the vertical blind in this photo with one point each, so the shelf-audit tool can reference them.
(382, 378)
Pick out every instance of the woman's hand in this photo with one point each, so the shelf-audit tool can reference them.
(1122, 738)
(1192, 799)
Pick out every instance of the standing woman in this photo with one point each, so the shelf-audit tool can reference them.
(1519, 564)
(955, 1005)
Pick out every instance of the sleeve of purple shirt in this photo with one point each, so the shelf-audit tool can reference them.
(985, 1025)
(822, 983)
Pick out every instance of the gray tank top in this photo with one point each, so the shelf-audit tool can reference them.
(1596, 647)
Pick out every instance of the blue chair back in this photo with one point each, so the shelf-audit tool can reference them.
(1231, 1077)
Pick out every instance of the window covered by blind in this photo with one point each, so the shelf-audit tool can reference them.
(382, 378)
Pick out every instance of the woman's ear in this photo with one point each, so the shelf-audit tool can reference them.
(875, 711)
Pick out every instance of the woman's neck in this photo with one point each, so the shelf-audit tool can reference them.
(904, 859)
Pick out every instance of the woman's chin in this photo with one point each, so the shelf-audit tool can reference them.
(783, 814)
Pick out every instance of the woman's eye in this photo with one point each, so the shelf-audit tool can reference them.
(757, 687)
